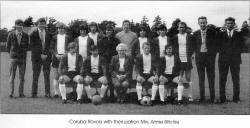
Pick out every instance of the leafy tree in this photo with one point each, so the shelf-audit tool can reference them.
(103, 24)
(51, 24)
(144, 20)
(174, 28)
(74, 25)
(3, 34)
(157, 21)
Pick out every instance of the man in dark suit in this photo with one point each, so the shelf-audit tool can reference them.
(40, 56)
(205, 48)
(230, 49)
(17, 46)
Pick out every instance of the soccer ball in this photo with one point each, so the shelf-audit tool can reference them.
(146, 101)
(96, 100)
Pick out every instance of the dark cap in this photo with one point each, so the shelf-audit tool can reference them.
(19, 22)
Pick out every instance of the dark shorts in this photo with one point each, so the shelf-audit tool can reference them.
(116, 81)
(71, 74)
(170, 83)
(147, 84)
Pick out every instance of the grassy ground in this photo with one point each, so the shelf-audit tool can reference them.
(42, 105)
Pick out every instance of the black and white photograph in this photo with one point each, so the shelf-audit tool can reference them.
(125, 57)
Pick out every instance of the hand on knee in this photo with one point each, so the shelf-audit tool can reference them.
(61, 80)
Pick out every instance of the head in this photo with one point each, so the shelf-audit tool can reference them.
(244, 24)
(109, 30)
(182, 27)
(94, 51)
(168, 50)
(93, 27)
(41, 23)
(143, 31)
(126, 25)
(121, 49)
(60, 27)
(72, 47)
(202, 21)
(230, 23)
(146, 48)
(19, 25)
(162, 30)
(83, 30)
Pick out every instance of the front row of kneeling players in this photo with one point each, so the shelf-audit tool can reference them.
(150, 75)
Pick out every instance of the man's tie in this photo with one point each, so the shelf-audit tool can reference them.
(19, 37)
(42, 39)
(229, 35)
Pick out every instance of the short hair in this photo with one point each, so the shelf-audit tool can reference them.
(109, 27)
(93, 48)
(146, 43)
(92, 24)
(202, 17)
(168, 45)
(19, 22)
(40, 20)
(60, 25)
(84, 27)
(230, 19)
(143, 28)
(122, 46)
(71, 44)
(125, 21)
(183, 23)
(162, 27)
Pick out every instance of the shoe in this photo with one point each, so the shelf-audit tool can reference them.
(200, 101)
(56, 96)
(10, 96)
(64, 101)
(47, 96)
(118, 100)
(34, 96)
(179, 102)
(139, 102)
(79, 101)
(162, 103)
(220, 101)
(190, 99)
(169, 99)
(236, 101)
(21, 95)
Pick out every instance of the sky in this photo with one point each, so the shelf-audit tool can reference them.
(65, 11)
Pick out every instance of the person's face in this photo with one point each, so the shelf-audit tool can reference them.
(146, 49)
(230, 25)
(94, 53)
(41, 25)
(109, 33)
(93, 29)
(121, 52)
(72, 49)
(142, 33)
(162, 32)
(83, 32)
(182, 28)
(125, 26)
(169, 50)
(19, 27)
(61, 30)
(202, 23)
(244, 25)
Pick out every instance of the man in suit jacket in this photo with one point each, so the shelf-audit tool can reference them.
(17, 46)
(58, 47)
(231, 44)
(40, 56)
(205, 53)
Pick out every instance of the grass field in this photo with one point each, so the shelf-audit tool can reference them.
(42, 105)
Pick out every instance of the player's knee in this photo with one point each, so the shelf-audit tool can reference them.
(103, 80)
(61, 80)
(125, 84)
(139, 79)
(87, 81)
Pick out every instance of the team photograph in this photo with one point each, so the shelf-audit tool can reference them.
(166, 58)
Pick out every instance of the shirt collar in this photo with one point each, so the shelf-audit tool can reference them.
(18, 33)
